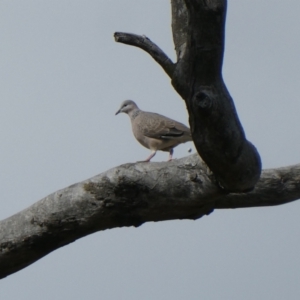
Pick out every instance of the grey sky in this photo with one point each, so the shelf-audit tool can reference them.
(62, 79)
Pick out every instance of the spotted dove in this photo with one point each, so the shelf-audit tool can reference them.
(154, 131)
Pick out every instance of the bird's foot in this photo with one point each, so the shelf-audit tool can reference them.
(171, 154)
(149, 157)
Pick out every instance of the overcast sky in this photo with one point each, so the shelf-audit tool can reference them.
(62, 79)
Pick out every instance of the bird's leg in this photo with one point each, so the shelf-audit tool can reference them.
(171, 154)
(153, 152)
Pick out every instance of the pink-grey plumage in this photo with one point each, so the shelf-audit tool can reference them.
(154, 131)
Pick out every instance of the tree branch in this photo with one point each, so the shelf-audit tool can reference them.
(198, 33)
(141, 41)
(217, 132)
(130, 195)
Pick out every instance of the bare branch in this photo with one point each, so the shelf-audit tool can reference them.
(130, 195)
(217, 132)
(198, 33)
(275, 187)
(141, 41)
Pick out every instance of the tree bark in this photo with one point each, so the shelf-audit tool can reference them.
(130, 195)
(198, 33)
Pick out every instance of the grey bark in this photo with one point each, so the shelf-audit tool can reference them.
(130, 195)
(198, 33)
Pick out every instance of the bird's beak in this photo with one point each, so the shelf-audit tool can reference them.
(118, 112)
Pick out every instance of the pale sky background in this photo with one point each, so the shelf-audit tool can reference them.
(62, 79)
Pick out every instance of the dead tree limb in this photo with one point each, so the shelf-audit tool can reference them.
(146, 44)
(198, 33)
(130, 195)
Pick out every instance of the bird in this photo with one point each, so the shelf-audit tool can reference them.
(155, 131)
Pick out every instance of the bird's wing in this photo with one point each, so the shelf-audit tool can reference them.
(160, 127)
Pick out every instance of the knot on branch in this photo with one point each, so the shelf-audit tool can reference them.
(203, 101)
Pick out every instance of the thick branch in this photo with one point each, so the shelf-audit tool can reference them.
(146, 44)
(130, 195)
(217, 132)
(198, 33)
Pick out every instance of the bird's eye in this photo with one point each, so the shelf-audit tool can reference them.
(125, 105)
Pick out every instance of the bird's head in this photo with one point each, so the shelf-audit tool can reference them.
(127, 107)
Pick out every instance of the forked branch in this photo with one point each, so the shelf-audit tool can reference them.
(130, 195)
(198, 32)
(141, 41)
